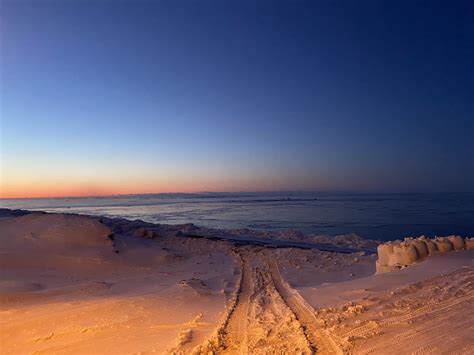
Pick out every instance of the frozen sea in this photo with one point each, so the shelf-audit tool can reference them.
(373, 216)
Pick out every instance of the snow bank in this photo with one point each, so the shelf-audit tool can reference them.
(54, 231)
(469, 243)
(395, 255)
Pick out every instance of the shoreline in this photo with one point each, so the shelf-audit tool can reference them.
(371, 216)
(291, 238)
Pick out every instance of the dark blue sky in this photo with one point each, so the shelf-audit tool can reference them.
(150, 96)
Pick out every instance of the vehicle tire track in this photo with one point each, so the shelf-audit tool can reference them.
(430, 308)
(409, 337)
(235, 331)
(321, 341)
(436, 314)
(259, 306)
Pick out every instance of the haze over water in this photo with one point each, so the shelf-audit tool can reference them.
(374, 216)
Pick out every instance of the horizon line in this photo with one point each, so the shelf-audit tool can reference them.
(247, 192)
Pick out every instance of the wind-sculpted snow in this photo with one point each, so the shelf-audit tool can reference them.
(395, 255)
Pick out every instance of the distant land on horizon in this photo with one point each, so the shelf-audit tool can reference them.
(230, 193)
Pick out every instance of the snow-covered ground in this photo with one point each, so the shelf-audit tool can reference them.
(79, 284)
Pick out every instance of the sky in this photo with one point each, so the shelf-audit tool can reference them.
(117, 97)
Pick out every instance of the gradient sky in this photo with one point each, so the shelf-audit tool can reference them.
(109, 97)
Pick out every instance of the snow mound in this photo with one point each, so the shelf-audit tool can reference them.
(395, 255)
(53, 232)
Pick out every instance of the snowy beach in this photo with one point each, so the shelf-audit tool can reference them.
(80, 284)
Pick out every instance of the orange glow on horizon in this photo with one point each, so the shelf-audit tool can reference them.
(51, 190)
(87, 190)
(42, 182)
(78, 192)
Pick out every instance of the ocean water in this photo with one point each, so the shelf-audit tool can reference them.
(373, 216)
